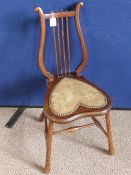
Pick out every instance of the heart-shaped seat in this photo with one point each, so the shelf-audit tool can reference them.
(70, 93)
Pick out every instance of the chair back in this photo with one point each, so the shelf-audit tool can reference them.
(61, 36)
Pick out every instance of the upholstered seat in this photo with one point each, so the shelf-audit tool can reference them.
(69, 93)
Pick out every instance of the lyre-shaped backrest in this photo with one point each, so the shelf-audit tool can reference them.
(61, 41)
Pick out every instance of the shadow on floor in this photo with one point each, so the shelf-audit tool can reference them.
(14, 118)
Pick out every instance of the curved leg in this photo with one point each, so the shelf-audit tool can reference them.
(109, 134)
(48, 134)
(41, 117)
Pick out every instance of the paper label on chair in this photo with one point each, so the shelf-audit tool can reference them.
(52, 21)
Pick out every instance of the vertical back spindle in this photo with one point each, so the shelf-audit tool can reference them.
(63, 45)
(68, 44)
(59, 46)
(56, 56)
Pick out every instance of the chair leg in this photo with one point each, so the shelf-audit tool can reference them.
(48, 134)
(46, 126)
(41, 117)
(109, 134)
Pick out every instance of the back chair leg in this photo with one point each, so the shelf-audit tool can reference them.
(109, 134)
(48, 134)
(41, 117)
(46, 127)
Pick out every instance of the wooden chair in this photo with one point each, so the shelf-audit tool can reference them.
(69, 96)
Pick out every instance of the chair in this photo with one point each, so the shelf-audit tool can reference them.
(69, 96)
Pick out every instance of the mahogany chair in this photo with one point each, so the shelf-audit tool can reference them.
(69, 96)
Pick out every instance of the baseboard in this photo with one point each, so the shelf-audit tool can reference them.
(11, 106)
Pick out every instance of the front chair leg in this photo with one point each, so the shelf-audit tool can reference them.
(48, 133)
(109, 134)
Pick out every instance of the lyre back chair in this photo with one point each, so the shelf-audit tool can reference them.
(69, 96)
